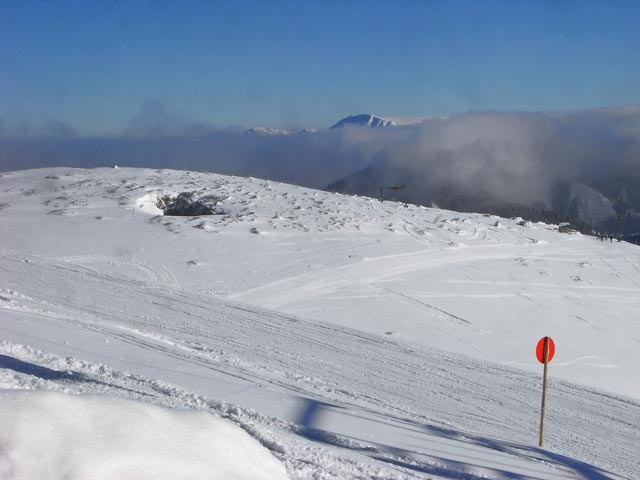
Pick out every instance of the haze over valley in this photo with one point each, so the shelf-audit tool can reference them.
(582, 167)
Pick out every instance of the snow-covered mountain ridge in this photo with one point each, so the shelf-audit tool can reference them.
(268, 131)
(365, 120)
(377, 121)
(277, 132)
(316, 315)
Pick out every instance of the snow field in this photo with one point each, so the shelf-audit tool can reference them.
(445, 279)
(316, 336)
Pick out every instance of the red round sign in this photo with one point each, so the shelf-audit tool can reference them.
(551, 349)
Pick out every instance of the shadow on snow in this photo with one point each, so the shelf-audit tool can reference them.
(313, 410)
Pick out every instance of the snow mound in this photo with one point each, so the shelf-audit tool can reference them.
(57, 436)
(148, 204)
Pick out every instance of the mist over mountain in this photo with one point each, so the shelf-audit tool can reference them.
(579, 166)
(582, 166)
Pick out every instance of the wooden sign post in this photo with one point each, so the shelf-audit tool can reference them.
(545, 350)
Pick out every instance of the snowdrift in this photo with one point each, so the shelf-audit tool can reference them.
(53, 436)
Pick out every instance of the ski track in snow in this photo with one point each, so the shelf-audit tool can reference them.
(156, 273)
(127, 312)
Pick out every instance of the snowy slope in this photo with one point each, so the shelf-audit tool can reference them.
(99, 295)
(467, 283)
(302, 384)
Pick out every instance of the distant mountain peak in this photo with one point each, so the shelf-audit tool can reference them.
(365, 120)
(267, 131)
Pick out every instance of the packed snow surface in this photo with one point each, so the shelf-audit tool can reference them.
(351, 338)
(51, 436)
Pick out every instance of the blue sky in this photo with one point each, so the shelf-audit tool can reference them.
(92, 64)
